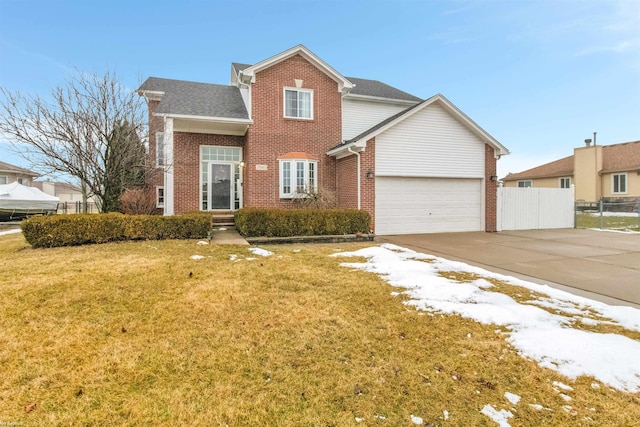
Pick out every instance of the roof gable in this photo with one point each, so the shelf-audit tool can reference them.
(248, 74)
(449, 107)
(377, 89)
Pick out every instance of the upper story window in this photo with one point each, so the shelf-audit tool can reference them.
(619, 183)
(298, 103)
(297, 176)
(565, 182)
(160, 149)
(525, 184)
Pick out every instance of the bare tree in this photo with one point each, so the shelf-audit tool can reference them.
(90, 129)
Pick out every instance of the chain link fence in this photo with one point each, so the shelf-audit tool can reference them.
(614, 215)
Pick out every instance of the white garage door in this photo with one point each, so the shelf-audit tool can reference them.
(427, 205)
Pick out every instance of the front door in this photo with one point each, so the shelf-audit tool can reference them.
(222, 186)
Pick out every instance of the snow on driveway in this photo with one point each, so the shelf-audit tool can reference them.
(4, 233)
(547, 338)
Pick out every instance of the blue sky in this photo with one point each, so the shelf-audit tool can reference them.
(540, 76)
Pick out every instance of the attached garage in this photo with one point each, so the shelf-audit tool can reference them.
(428, 205)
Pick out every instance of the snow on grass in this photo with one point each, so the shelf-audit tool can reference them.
(4, 233)
(547, 338)
(501, 417)
(416, 420)
(196, 257)
(260, 251)
(203, 243)
(513, 398)
(562, 386)
(614, 214)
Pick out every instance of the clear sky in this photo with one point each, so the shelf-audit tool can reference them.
(540, 76)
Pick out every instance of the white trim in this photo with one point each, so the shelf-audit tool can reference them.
(626, 183)
(380, 99)
(204, 118)
(249, 74)
(168, 171)
(239, 193)
(158, 203)
(293, 183)
(284, 102)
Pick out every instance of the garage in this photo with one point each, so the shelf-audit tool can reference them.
(427, 205)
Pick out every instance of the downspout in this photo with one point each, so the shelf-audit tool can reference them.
(357, 153)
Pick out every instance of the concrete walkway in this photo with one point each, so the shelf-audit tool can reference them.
(227, 236)
(600, 265)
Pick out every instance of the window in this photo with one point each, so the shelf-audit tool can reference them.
(565, 182)
(160, 149)
(298, 103)
(619, 183)
(525, 184)
(3, 179)
(23, 181)
(297, 176)
(160, 197)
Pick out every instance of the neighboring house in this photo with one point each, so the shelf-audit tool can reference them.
(292, 123)
(10, 173)
(66, 192)
(597, 171)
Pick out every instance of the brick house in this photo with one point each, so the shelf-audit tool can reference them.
(609, 172)
(292, 123)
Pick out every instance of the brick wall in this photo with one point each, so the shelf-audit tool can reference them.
(491, 189)
(272, 135)
(186, 167)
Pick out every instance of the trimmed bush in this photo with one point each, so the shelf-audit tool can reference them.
(258, 222)
(72, 230)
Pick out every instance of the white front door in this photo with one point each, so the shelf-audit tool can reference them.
(221, 182)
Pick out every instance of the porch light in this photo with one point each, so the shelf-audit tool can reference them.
(369, 174)
(241, 164)
(494, 177)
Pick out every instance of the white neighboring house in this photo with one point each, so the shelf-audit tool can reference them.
(10, 173)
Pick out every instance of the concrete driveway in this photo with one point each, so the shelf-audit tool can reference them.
(600, 265)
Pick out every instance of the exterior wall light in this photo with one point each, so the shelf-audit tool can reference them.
(494, 177)
(369, 174)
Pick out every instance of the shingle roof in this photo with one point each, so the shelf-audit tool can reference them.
(197, 99)
(615, 158)
(9, 168)
(378, 89)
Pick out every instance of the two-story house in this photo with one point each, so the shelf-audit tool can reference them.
(10, 173)
(292, 123)
(609, 172)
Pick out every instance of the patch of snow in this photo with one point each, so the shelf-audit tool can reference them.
(416, 420)
(359, 420)
(468, 335)
(233, 257)
(567, 408)
(381, 417)
(562, 386)
(547, 338)
(251, 259)
(513, 398)
(536, 406)
(196, 257)
(4, 233)
(565, 397)
(296, 250)
(260, 251)
(618, 214)
(222, 229)
(595, 386)
(446, 414)
(203, 243)
(499, 417)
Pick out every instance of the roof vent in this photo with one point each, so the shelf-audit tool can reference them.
(587, 142)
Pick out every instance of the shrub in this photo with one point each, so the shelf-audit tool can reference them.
(138, 201)
(258, 222)
(71, 230)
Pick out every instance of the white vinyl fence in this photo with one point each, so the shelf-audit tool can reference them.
(535, 208)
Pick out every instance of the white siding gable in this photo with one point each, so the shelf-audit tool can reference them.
(430, 143)
(359, 115)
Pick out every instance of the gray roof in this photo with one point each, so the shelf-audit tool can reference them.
(378, 89)
(197, 99)
(363, 87)
(9, 168)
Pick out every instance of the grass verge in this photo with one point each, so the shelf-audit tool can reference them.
(138, 333)
(587, 220)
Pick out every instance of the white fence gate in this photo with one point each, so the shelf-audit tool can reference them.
(535, 208)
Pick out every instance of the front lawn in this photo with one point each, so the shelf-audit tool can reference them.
(144, 333)
(626, 221)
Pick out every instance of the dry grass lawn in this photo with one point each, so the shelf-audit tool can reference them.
(140, 334)
(584, 220)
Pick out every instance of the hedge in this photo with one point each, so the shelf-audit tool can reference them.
(72, 230)
(259, 222)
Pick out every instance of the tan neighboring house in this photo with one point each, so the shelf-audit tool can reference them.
(66, 192)
(597, 171)
(10, 173)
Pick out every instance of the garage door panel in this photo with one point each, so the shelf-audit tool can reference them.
(427, 205)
